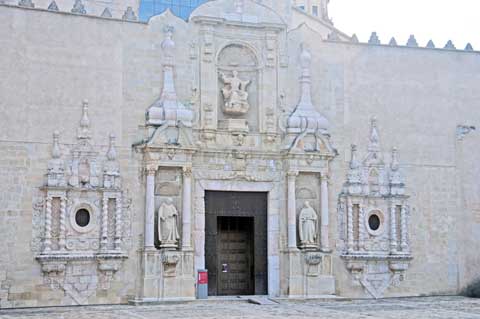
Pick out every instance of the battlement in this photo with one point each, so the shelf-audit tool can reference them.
(411, 43)
(123, 9)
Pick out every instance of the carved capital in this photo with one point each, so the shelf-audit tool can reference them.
(151, 170)
(187, 171)
(292, 174)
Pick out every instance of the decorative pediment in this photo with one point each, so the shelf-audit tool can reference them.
(245, 11)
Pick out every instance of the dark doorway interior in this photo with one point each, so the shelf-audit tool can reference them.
(236, 243)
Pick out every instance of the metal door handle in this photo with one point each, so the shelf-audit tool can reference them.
(224, 267)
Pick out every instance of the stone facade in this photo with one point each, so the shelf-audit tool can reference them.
(244, 97)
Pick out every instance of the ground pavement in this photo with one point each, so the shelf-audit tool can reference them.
(404, 308)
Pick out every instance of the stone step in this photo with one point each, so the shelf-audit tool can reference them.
(262, 301)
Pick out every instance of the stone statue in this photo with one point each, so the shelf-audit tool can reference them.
(167, 225)
(235, 94)
(308, 226)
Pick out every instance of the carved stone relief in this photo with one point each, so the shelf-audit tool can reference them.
(238, 96)
(82, 220)
(373, 219)
(235, 94)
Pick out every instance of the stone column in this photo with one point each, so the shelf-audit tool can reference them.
(361, 227)
(187, 209)
(403, 221)
(292, 210)
(104, 239)
(63, 214)
(324, 243)
(118, 222)
(48, 225)
(149, 232)
(393, 228)
(349, 226)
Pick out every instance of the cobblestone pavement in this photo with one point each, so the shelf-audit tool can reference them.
(404, 308)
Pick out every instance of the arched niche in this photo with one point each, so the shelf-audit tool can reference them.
(238, 70)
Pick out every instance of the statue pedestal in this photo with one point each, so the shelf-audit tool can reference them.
(166, 276)
(234, 125)
(169, 245)
(310, 274)
(309, 247)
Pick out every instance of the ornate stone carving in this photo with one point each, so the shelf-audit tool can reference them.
(78, 246)
(172, 119)
(308, 227)
(306, 129)
(235, 94)
(170, 261)
(111, 169)
(56, 166)
(313, 261)
(373, 213)
(168, 225)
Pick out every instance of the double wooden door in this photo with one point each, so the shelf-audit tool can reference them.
(236, 243)
(235, 256)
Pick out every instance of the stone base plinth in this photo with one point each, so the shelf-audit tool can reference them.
(166, 276)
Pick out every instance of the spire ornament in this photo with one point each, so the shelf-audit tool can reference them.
(83, 132)
(305, 120)
(168, 112)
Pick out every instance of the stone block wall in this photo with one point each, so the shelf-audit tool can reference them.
(52, 61)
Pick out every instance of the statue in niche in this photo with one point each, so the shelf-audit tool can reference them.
(167, 225)
(235, 94)
(308, 226)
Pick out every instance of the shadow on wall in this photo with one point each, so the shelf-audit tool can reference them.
(472, 290)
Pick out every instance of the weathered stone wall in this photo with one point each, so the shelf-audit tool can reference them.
(52, 61)
(116, 8)
(419, 97)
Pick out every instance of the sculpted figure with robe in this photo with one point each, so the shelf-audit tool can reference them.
(167, 224)
(235, 94)
(308, 226)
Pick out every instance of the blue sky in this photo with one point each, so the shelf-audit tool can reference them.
(439, 20)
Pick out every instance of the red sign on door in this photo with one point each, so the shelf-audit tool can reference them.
(203, 278)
